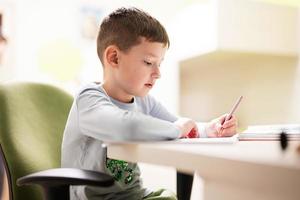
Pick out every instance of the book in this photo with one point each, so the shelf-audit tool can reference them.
(270, 132)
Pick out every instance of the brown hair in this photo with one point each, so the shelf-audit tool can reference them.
(125, 26)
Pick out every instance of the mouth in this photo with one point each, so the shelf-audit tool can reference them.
(149, 85)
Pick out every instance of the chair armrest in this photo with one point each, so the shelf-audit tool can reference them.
(66, 176)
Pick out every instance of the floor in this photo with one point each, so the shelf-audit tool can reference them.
(155, 177)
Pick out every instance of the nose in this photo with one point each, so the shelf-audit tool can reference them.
(156, 73)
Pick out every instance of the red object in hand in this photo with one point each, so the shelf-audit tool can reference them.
(192, 134)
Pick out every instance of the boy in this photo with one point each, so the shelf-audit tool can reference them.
(131, 46)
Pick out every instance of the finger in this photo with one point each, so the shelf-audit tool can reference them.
(229, 124)
(229, 132)
(231, 119)
(219, 130)
(233, 127)
(218, 127)
(222, 118)
(225, 120)
(220, 133)
(230, 127)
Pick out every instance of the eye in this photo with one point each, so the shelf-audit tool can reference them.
(147, 63)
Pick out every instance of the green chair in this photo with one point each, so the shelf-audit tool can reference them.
(32, 120)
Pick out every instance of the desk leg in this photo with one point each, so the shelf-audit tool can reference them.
(184, 185)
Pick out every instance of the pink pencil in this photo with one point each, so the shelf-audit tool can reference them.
(228, 117)
(231, 113)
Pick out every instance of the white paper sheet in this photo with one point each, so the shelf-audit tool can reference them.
(226, 140)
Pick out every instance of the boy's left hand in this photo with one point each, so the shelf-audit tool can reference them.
(216, 129)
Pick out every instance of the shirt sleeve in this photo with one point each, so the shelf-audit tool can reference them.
(99, 118)
(157, 110)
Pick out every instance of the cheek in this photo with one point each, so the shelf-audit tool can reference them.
(134, 74)
(138, 79)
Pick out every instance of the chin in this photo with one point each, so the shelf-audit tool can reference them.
(142, 94)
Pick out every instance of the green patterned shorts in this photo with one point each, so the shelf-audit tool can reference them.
(122, 172)
(161, 194)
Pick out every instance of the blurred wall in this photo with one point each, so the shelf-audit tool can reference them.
(210, 88)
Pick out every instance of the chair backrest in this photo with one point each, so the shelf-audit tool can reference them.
(32, 121)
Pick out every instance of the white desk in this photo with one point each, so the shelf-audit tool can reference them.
(244, 170)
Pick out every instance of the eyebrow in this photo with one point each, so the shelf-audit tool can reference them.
(152, 55)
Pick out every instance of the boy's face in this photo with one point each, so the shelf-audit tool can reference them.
(138, 68)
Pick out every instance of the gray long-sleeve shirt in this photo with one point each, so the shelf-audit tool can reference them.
(94, 118)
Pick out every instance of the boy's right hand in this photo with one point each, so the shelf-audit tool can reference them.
(188, 128)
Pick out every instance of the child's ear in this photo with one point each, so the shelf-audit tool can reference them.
(112, 55)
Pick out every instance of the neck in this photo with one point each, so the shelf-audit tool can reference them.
(116, 93)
